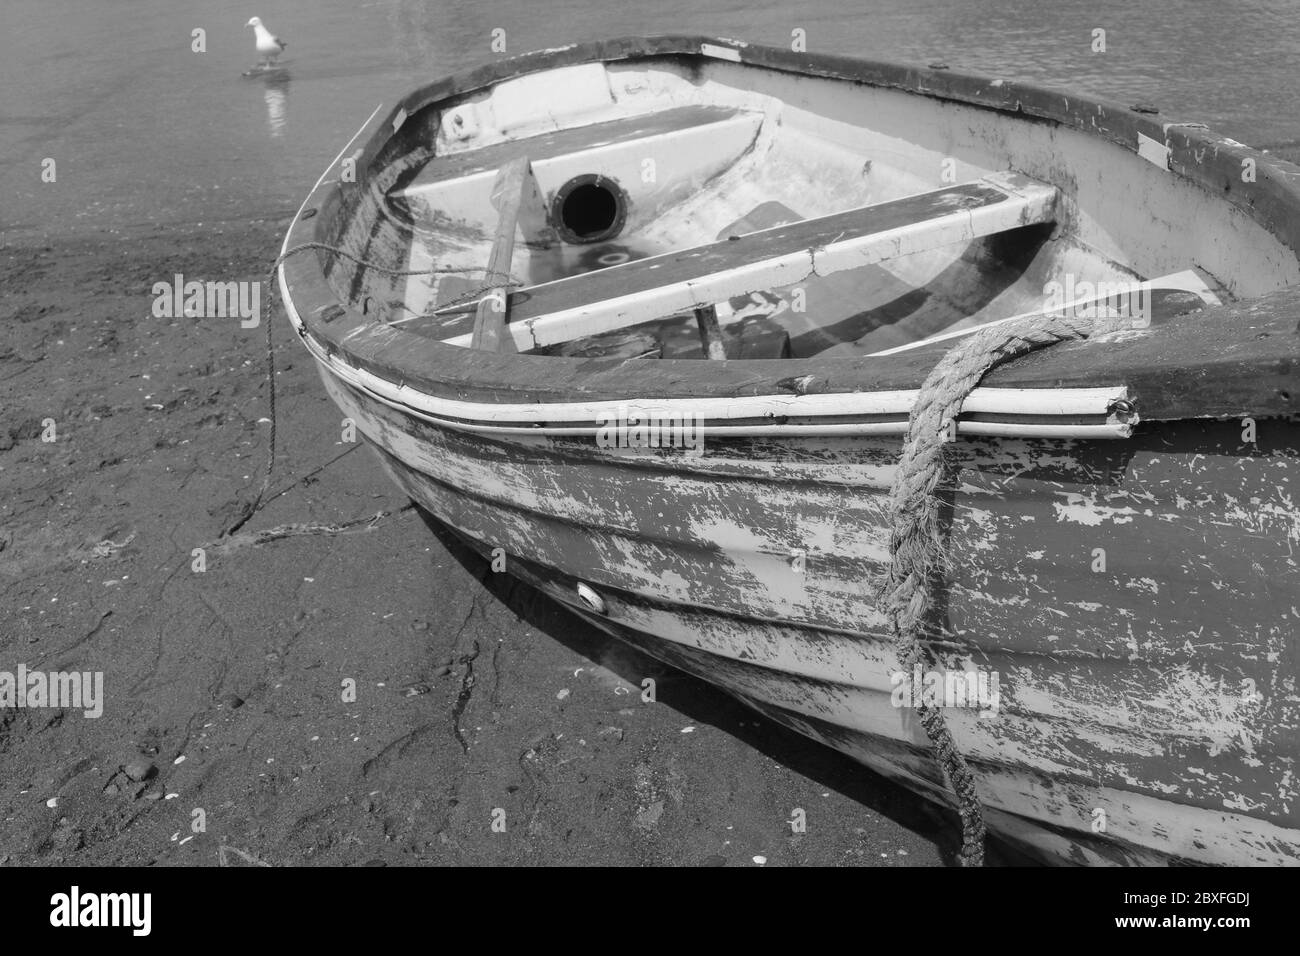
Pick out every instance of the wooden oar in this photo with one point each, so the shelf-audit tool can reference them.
(491, 313)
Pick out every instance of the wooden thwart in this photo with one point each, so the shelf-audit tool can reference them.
(564, 143)
(687, 280)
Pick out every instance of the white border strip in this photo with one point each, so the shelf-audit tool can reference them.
(854, 429)
(1153, 151)
(720, 52)
(505, 418)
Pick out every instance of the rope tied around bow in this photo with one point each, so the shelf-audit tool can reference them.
(916, 543)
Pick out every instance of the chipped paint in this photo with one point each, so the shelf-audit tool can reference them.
(1083, 509)
(1133, 697)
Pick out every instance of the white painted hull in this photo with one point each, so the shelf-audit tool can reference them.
(1077, 741)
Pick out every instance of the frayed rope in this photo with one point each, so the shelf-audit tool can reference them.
(916, 546)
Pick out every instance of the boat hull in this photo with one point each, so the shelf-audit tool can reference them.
(1134, 599)
(1119, 605)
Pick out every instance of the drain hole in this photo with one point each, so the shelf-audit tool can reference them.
(589, 209)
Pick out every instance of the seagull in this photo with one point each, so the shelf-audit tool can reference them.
(268, 45)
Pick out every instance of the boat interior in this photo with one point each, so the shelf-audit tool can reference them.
(688, 208)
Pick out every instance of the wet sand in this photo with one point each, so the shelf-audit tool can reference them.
(225, 689)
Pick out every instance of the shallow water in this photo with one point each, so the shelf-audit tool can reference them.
(146, 131)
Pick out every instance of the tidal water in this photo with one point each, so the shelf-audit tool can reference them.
(147, 131)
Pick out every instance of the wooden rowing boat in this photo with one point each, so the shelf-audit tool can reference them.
(647, 317)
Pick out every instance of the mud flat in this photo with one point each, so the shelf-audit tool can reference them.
(342, 683)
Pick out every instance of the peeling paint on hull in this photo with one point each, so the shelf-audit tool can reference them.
(1137, 600)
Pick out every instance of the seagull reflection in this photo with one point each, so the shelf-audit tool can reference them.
(275, 83)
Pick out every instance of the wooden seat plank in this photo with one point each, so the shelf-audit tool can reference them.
(684, 281)
(565, 142)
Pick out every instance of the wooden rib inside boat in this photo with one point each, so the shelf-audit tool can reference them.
(522, 275)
